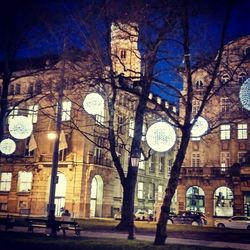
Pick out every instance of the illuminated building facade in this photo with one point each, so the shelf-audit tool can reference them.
(215, 178)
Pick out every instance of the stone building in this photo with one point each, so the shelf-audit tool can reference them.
(215, 178)
(87, 183)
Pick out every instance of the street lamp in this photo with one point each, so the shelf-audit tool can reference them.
(135, 159)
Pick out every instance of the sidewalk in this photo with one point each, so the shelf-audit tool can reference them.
(122, 235)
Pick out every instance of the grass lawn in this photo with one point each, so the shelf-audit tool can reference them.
(17, 241)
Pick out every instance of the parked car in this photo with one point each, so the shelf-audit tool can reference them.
(142, 215)
(237, 222)
(188, 217)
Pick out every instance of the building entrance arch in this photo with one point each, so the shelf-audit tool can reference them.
(96, 196)
(195, 197)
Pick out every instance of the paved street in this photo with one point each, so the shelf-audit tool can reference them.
(144, 237)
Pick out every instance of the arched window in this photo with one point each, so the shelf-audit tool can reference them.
(242, 77)
(223, 201)
(96, 196)
(195, 197)
(225, 78)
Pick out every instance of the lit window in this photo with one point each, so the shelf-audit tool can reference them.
(13, 113)
(199, 84)
(160, 192)
(241, 156)
(121, 123)
(224, 159)
(131, 127)
(195, 160)
(24, 181)
(140, 191)
(196, 106)
(33, 113)
(66, 110)
(142, 162)
(242, 131)
(224, 104)
(5, 181)
(225, 132)
(144, 131)
(151, 191)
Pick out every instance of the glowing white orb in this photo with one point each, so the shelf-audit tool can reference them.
(245, 94)
(93, 103)
(20, 127)
(200, 127)
(161, 136)
(7, 146)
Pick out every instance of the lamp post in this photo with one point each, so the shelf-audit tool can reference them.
(135, 159)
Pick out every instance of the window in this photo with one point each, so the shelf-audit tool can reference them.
(5, 181)
(195, 160)
(152, 163)
(247, 52)
(33, 113)
(24, 181)
(13, 113)
(3, 206)
(242, 131)
(225, 132)
(131, 127)
(123, 54)
(38, 87)
(11, 89)
(162, 164)
(31, 89)
(140, 193)
(224, 160)
(18, 89)
(142, 162)
(224, 104)
(144, 131)
(151, 191)
(195, 197)
(225, 78)
(199, 84)
(66, 110)
(121, 122)
(99, 118)
(170, 164)
(242, 77)
(196, 106)
(241, 156)
(160, 193)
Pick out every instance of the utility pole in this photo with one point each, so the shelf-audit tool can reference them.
(53, 181)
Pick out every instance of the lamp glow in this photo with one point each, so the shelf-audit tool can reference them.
(200, 127)
(245, 94)
(7, 146)
(161, 136)
(93, 103)
(52, 135)
(20, 127)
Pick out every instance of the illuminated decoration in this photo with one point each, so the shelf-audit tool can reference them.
(7, 146)
(161, 136)
(93, 104)
(245, 94)
(20, 127)
(200, 127)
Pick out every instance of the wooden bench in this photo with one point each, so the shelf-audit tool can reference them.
(57, 225)
(8, 222)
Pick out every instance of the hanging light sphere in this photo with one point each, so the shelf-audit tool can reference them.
(245, 94)
(7, 146)
(93, 103)
(161, 136)
(20, 127)
(200, 127)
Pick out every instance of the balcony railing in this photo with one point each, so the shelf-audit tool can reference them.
(205, 171)
(100, 161)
